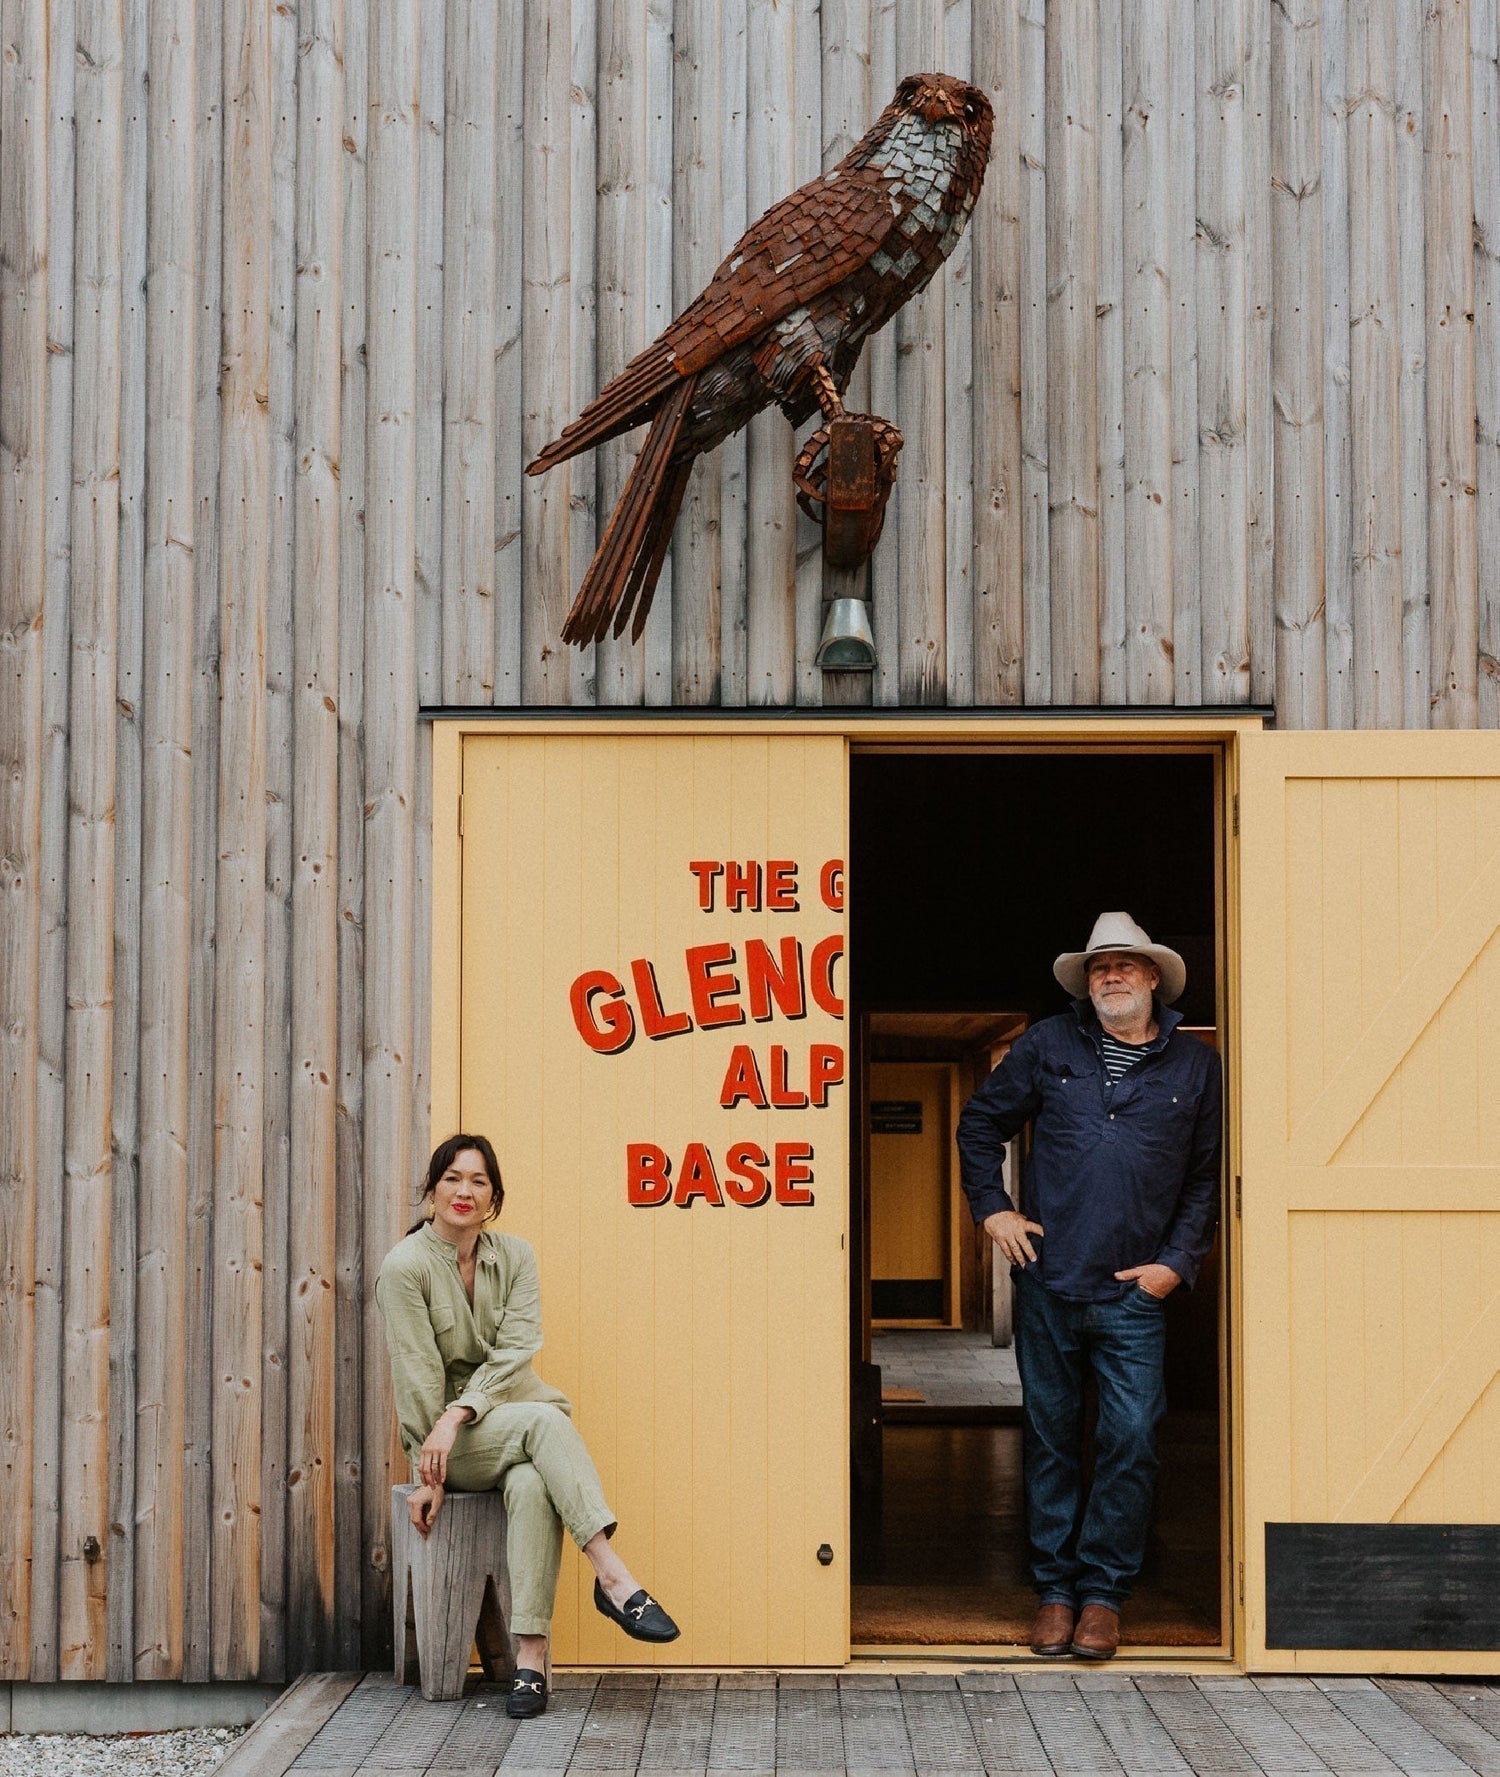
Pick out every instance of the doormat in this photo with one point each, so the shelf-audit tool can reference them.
(983, 1616)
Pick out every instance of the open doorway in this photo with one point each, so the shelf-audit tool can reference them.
(969, 872)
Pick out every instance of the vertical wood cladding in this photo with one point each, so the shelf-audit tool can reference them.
(1206, 408)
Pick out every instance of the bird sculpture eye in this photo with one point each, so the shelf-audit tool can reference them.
(971, 111)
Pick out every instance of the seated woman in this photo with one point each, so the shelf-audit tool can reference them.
(463, 1321)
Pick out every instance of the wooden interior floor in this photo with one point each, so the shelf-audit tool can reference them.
(940, 1557)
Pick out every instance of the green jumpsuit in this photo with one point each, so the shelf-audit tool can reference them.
(522, 1439)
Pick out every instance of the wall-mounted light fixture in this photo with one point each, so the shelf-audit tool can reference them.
(848, 644)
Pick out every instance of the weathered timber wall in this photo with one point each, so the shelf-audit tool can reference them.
(1205, 409)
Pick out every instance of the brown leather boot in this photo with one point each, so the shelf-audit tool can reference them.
(1052, 1632)
(1098, 1633)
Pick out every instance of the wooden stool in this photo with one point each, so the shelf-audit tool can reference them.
(450, 1589)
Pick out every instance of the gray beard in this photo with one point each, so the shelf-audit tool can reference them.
(1121, 1012)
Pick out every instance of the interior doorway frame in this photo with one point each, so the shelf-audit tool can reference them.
(960, 1055)
(950, 1279)
(1088, 731)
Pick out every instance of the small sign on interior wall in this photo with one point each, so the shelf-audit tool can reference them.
(895, 1116)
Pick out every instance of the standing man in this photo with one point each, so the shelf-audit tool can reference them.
(1122, 1194)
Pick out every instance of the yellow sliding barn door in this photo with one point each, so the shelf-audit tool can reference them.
(652, 1033)
(1369, 1063)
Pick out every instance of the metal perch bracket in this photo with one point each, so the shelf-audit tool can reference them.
(844, 475)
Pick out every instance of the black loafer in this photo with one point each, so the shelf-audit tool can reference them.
(642, 1616)
(528, 1694)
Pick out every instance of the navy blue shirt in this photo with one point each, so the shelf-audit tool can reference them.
(1118, 1176)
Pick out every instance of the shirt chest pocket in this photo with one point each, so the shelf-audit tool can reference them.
(1069, 1101)
(1167, 1109)
(445, 1328)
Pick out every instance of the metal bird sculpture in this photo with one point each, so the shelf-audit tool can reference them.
(782, 320)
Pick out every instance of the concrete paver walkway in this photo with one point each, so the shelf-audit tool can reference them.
(973, 1724)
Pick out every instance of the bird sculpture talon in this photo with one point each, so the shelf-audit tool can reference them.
(827, 391)
(809, 282)
(811, 485)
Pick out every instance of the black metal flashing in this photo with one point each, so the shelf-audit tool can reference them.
(838, 715)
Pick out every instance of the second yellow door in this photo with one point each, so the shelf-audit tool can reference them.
(1369, 1273)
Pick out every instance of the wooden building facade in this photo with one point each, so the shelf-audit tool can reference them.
(1204, 411)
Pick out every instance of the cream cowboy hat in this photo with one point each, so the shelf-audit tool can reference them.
(1118, 931)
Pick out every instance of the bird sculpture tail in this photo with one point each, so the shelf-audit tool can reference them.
(626, 402)
(623, 574)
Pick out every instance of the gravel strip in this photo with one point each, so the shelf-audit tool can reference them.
(182, 1753)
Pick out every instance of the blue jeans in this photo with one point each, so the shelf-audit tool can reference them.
(1088, 1550)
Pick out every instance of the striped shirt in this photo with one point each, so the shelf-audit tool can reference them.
(1119, 1057)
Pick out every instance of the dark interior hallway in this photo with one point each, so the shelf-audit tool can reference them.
(941, 1556)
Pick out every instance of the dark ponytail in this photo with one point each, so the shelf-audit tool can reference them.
(443, 1157)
